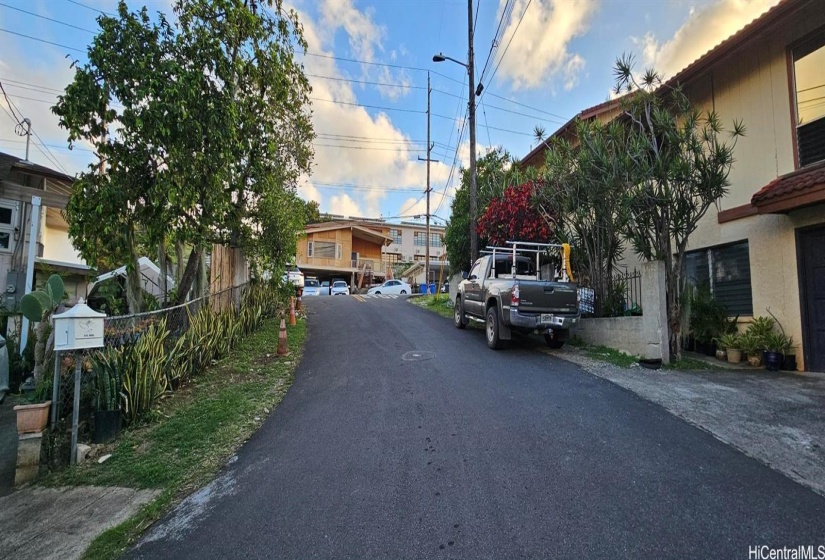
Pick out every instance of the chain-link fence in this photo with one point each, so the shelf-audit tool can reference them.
(96, 393)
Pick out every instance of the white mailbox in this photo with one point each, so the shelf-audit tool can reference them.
(79, 327)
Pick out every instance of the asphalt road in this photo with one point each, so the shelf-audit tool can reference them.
(403, 437)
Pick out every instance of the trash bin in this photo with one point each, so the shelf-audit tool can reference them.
(432, 288)
(422, 288)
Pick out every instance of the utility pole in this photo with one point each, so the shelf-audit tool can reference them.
(472, 111)
(28, 124)
(429, 147)
(428, 160)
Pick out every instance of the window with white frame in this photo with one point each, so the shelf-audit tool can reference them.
(324, 249)
(395, 235)
(7, 216)
(419, 239)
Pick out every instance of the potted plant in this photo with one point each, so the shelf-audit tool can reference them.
(108, 384)
(731, 343)
(33, 417)
(760, 327)
(752, 346)
(776, 344)
(708, 320)
(784, 345)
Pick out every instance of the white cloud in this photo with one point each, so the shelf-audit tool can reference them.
(539, 50)
(706, 27)
(46, 73)
(414, 206)
(378, 166)
(344, 205)
(365, 38)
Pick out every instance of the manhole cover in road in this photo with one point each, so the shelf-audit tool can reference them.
(417, 356)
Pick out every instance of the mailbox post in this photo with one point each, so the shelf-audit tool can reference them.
(78, 328)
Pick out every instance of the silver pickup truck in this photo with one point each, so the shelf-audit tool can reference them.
(505, 291)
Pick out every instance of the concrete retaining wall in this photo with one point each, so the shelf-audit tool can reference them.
(621, 333)
(644, 336)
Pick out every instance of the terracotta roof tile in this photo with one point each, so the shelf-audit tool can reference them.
(795, 182)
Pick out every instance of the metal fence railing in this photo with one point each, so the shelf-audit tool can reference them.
(622, 297)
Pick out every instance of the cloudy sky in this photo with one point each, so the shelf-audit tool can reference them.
(368, 63)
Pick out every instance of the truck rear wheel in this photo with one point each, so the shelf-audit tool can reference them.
(493, 331)
(459, 320)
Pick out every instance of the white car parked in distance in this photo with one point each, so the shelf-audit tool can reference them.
(295, 277)
(340, 288)
(312, 287)
(391, 287)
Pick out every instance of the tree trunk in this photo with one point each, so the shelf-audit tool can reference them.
(179, 264)
(163, 264)
(188, 276)
(134, 292)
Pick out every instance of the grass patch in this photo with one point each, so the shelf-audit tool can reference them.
(692, 364)
(194, 432)
(609, 355)
(438, 303)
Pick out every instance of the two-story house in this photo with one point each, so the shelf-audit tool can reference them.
(20, 180)
(763, 248)
(343, 249)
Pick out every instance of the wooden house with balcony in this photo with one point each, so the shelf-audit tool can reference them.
(344, 250)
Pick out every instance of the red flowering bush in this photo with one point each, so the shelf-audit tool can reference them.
(514, 217)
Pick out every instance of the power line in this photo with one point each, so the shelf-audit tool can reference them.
(53, 146)
(492, 127)
(511, 40)
(47, 18)
(398, 66)
(377, 139)
(42, 40)
(505, 14)
(366, 148)
(565, 119)
(368, 106)
(14, 82)
(92, 9)
(358, 187)
(32, 98)
(385, 84)
(18, 119)
(486, 124)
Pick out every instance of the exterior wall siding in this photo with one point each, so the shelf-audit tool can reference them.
(754, 86)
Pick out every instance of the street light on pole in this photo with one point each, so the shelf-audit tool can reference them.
(472, 116)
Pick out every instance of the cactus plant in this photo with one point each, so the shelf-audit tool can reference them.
(38, 307)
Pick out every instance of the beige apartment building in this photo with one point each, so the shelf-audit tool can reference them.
(763, 248)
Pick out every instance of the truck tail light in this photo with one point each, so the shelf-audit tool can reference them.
(514, 297)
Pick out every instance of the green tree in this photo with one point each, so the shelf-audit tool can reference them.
(585, 183)
(311, 212)
(680, 168)
(493, 173)
(210, 130)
